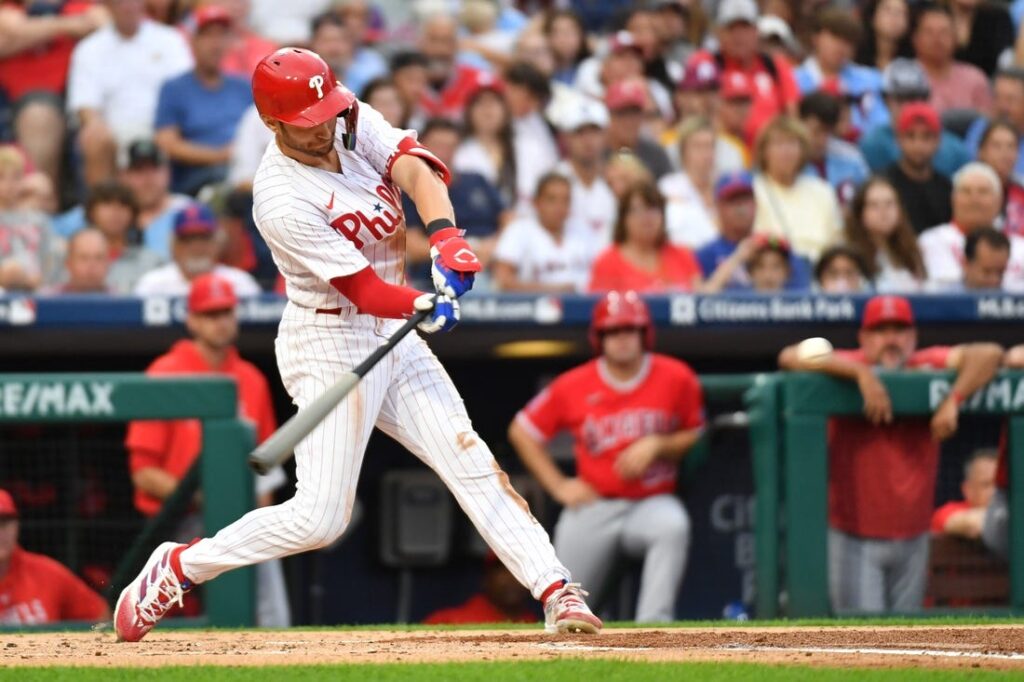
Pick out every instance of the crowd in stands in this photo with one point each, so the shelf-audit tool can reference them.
(669, 145)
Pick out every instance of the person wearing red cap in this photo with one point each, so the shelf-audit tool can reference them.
(502, 600)
(160, 453)
(633, 415)
(327, 201)
(924, 192)
(882, 468)
(628, 102)
(35, 589)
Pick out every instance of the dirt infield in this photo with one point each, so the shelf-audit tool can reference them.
(992, 647)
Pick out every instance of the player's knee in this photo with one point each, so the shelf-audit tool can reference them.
(673, 526)
(319, 532)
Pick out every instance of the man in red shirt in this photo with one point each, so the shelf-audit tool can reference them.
(964, 518)
(36, 589)
(161, 452)
(502, 600)
(775, 88)
(882, 471)
(634, 415)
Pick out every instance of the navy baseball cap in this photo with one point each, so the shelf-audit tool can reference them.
(733, 184)
(195, 219)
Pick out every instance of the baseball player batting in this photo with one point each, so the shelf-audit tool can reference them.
(327, 200)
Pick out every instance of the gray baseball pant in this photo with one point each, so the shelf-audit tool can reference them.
(876, 576)
(995, 531)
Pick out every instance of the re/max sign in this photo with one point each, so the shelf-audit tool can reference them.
(1001, 395)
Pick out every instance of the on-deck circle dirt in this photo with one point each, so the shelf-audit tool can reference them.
(994, 647)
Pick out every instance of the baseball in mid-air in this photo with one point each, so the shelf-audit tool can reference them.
(814, 351)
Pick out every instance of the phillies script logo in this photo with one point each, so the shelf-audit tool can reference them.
(381, 225)
(622, 428)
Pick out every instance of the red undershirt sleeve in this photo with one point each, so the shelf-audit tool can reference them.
(373, 296)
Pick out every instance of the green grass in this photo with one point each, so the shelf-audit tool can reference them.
(527, 671)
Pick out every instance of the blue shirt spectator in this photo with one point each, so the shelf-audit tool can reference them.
(198, 112)
(713, 254)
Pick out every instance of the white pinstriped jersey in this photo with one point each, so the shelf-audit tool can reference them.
(320, 225)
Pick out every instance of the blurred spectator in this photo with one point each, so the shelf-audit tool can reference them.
(243, 245)
(164, 11)
(799, 208)
(477, 203)
(542, 254)
(286, 23)
(977, 198)
(633, 415)
(984, 31)
(161, 452)
(769, 263)
(245, 47)
(1008, 106)
(840, 270)
(383, 95)
(774, 88)
(904, 82)
(924, 193)
(527, 92)
(36, 40)
(489, 148)
(878, 228)
(148, 174)
(449, 84)
(28, 247)
(501, 600)
(986, 256)
(355, 66)
(624, 170)
(837, 32)
(680, 25)
(37, 193)
(730, 153)
(965, 518)
(35, 589)
(198, 112)
(568, 42)
(627, 101)
(697, 92)
(999, 149)
(114, 83)
(882, 471)
(481, 44)
(112, 209)
(642, 258)
(886, 33)
(195, 250)
(954, 84)
(834, 160)
(251, 139)
(409, 73)
(732, 113)
(725, 260)
(531, 47)
(87, 264)
(622, 60)
(641, 23)
(777, 39)
(690, 193)
(582, 123)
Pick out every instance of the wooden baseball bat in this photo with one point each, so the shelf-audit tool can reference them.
(276, 450)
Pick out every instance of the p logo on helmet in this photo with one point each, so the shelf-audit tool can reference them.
(318, 83)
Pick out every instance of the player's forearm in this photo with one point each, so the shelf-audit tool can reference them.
(979, 362)
(373, 296)
(535, 457)
(674, 446)
(426, 189)
(966, 523)
(23, 33)
(155, 482)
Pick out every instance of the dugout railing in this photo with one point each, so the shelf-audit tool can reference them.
(52, 399)
(788, 429)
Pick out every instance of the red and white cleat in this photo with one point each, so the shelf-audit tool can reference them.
(565, 611)
(146, 599)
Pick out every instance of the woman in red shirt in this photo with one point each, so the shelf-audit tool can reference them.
(641, 257)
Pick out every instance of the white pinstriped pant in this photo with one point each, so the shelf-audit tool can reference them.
(408, 396)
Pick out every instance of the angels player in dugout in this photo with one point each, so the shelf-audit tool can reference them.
(327, 200)
(634, 415)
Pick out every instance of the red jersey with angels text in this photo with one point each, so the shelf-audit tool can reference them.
(881, 479)
(37, 589)
(606, 416)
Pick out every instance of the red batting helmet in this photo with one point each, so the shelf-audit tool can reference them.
(620, 309)
(296, 86)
